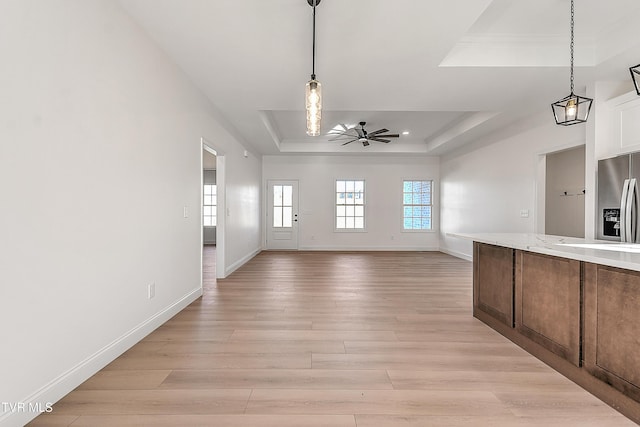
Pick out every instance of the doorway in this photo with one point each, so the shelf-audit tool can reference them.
(212, 205)
(209, 219)
(282, 215)
(565, 193)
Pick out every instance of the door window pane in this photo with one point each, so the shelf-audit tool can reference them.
(287, 195)
(277, 216)
(287, 216)
(277, 195)
(282, 206)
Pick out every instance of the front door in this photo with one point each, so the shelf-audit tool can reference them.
(282, 215)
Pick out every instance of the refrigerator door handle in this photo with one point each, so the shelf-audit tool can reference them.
(623, 211)
(632, 229)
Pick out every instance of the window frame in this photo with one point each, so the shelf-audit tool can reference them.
(431, 205)
(336, 205)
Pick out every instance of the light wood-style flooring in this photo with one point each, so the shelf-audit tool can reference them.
(328, 339)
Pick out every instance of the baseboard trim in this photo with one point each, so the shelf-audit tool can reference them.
(457, 254)
(69, 380)
(370, 248)
(242, 261)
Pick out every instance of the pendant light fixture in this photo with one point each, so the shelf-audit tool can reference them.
(313, 92)
(572, 109)
(635, 75)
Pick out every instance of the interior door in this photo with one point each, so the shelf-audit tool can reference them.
(282, 215)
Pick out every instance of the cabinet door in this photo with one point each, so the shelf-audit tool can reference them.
(548, 303)
(493, 281)
(612, 327)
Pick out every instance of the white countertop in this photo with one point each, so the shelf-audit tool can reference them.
(613, 254)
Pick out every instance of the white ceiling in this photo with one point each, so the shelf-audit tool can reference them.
(446, 71)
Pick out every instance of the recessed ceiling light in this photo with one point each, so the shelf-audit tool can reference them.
(406, 132)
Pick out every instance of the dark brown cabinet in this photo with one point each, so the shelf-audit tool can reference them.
(493, 281)
(580, 318)
(547, 303)
(612, 327)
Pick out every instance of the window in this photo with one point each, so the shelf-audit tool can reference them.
(282, 206)
(349, 205)
(209, 205)
(416, 201)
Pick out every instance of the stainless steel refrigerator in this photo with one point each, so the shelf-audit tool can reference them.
(618, 186)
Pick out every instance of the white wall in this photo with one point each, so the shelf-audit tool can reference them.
(485, 189)
(242, 222)
(383, 186)
(100, 150)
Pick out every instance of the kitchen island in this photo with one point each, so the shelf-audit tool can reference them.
(572, 303)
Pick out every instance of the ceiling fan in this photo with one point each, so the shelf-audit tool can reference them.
(360, 134)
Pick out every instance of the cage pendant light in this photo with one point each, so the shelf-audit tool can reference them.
(635, 75)
(313, 90)
(571, 109)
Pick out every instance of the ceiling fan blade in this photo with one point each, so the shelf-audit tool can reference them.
(391, 135)
(344, 129)
(376, 132)
(375, 138)
(342, 137)
(349, 142)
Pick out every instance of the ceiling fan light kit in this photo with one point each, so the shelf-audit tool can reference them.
(635, 75)
(572, 109)
(313, 90)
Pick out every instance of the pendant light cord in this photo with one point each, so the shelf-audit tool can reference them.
(571, 45)
(313, 59)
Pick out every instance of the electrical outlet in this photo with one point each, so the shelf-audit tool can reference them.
(524, 213)
(151, 291)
